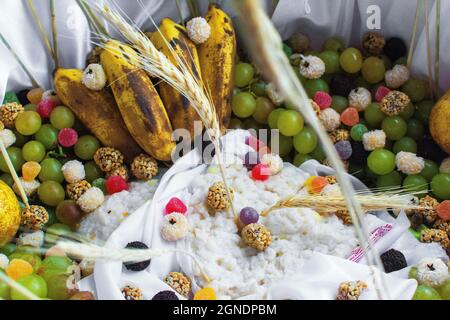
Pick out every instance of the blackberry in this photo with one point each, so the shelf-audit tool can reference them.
(359, 154)
(165, 295)
(138, 266)
(393, 260)
(395, 48)
(22, 96)
(428, 149)
(341, 85)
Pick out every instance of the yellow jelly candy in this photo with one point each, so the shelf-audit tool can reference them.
(18, 268)
(308, 183)
(30, 170)
(205, 294)
(35, 95)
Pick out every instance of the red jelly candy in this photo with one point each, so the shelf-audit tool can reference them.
(45, 108)
(382, 91)
(115, 184)
(443, 210)
(323, 99)
(350, 116)
(254, 142)
(261, 172)
(67, 137)
(175, 205)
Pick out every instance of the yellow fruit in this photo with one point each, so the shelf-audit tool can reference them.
(217, 60)
(30, 170)
(180, 111)
(18, 268)
(9, 214)
(205, 294)
(97, 110)
(139, 103)
(440, 122)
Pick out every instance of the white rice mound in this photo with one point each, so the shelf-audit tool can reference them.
(100, 224)
(239, 271)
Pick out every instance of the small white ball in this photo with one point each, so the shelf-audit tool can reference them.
(274, 95)
(94, 77)
(331, 120)
(91, 200)
(445, 166)
(8, 137)
(397, 77)
(4, 261)
(34, 239)
(409, 163)
(360, 98)
(30, 187)
(375, 139)
(432, 272)
(274, 162)
(198, 30)
(174, 227)
(73, 171)
(312, 67)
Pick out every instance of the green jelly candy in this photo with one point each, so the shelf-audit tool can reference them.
(10, 97)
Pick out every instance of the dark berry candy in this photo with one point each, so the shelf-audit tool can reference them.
(138, 266)
(165, 295)
(251, 159)
(393, 260)
(344, 149)
(341, 85)
(416, 220)
(428, 149)
(359, 154)
(248, 215)
(395, 48)
(22, 96)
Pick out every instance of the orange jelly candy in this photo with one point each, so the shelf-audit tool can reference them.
(318, 183)
(350, 116)
(18, 268)
(35, 95)
(30, 170)
(205, 294)
(443, 210)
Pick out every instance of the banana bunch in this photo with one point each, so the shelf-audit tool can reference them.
(140, 116)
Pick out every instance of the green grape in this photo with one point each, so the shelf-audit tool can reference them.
(51, 193)
(62, 117)
(416, 89)
(402, 61)
(28, 123)
(387, 62)
(381, 161)
(351, 60)
(305, 141)
(15, 154)
(20, 139)
(244, 73)
(251, 123)
(51, 170)
(32, 259)
(356, 170)
(287, 50)
(285, 145)
(52, 235)
(373, 70)
(361, 82)
(327, 78)
(236, 91)
(415, 129)
(424, 292)
(416, 183)
(423, 111)
(339, 103)
(4, 290)
(373, 115)
(8, 249)
(331, 60)
(334, 44)
(48, 136)
(30, 107)
(392, 179)
(100, 183)
(357, 131)
(300, 158)
(440, 185)
(243, 104)
(259, 88)
(412, 274)
(33, 283)
(272, 120)
(235, 123)
(429, 170)
(312, 53)
(290, 123)
(318, 153)
(394, 127)
(33, 151)
(444, 290)
(57, 287)
(405, 144)
(314, 85)
(51, 217)
(7, 178)
(27, 250)
(92, 171)
(86, 147)
(408, 112)
(263, 108)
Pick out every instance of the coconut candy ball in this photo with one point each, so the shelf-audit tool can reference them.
(198, 30)
(73, 171)
(312, 67)
(91, 200)
(432, 272)
(409, 163)
(94, 77)
(174, 226)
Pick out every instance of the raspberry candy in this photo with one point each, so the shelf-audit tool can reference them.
(323, 99)
(115, 184)
(45, 108)
(175, 205)
(382, 91)
(67, 137)
(261, 172)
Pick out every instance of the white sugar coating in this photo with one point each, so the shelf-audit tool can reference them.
(30, 187)
(175, 226)
(238, 271)
(312, 67)
(92, 199)
(331, 120)
(374, 139)
(432, 272)
(98, 225)
(4, 261)
(409, 163)
(274, 162)
(8, 137)
(274, 95)
(359, 98)
(94, 77)
(198, 30)
(34, 239)
(73, 171)
(396, 77)
(445, 166)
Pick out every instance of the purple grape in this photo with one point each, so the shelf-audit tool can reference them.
(344, 149)
(248, 215)
(251, 159)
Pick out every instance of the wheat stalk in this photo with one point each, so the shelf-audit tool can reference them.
(412, 42)
(41, 28)
(54, 33)
(437, 52)
(266, 45)
(427, 38)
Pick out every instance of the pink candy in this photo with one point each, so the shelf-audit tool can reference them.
(67, 137)
(175, 205)
(323, 99)
(45, 108)
(381, 93)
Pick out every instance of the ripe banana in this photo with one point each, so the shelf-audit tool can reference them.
(181, 113)
(139, 103)
(97, 110)
(217, 61)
